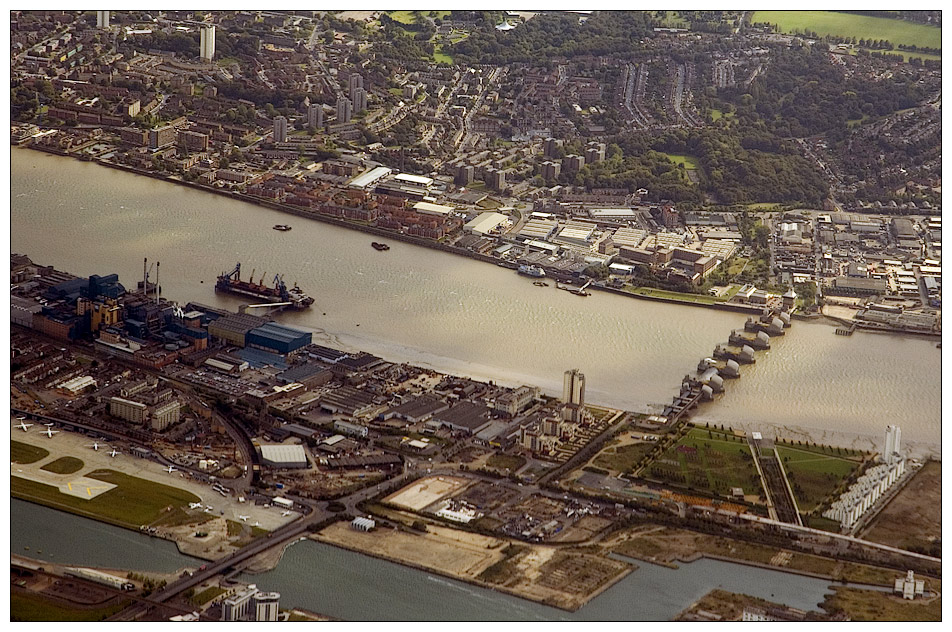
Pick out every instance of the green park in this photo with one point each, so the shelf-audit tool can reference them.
(848, 25)
(707, 461)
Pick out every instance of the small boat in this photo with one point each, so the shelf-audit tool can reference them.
(540, 283)
(281, 227)
(379, 246)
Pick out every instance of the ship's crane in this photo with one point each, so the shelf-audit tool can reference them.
(234, 274)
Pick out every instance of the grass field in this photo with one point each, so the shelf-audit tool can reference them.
(505, 461)
(440, 57)
(702, 299)
(403, 17)
(871, 605)
(814, 476)
(202, 598)
(132, 503)
(31, 607)
(64, 465)
(25, 453)
(689, 162)
(622, 459)
(858, 26)
(707, 461)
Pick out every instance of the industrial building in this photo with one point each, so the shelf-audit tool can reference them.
(284, 456)
(234, 328)
(465, 416)
(348, 428)
(277, 338)
(485, 223)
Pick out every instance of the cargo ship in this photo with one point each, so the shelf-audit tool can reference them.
(231, 283)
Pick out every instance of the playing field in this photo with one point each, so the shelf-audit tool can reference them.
(858, 26)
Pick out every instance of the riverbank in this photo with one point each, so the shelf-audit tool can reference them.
(522, 570)
(700, 301)
(671, 545)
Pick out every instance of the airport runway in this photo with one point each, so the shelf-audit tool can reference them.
(80, 446)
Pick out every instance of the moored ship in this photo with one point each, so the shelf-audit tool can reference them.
(231, 283)
(533, 271)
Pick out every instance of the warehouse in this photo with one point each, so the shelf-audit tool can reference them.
(538, 229)
(284, 456)
(367, 179)
(466, 416)
(277, 338)
(485, 223)
(417, 409)
(428, 208)
(349, 401)
(235, 327)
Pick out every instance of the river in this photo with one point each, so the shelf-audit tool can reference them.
(462, 316)
(354, 587)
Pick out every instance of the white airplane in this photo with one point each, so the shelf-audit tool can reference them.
(256, 524)
(244, 518)
(172, 469)
(286, 513)
(95, 446)
(49, 432)
(208, 507)
(23, 426)
(114, 453)
(195, 505)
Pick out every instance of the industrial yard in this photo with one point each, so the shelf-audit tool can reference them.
(558, 577)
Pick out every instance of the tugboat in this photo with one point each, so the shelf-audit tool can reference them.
(379, 246)
(281, 227)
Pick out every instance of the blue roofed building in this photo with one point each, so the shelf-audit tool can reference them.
(277, 338)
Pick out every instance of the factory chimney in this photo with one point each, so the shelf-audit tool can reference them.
(157, 264)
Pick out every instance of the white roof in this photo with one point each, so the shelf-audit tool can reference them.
(78, 383)
(485, 222)
(284, 453)
(433, 209)
(612, 212)
(334, 439)
(370, 177)
(408, 177)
